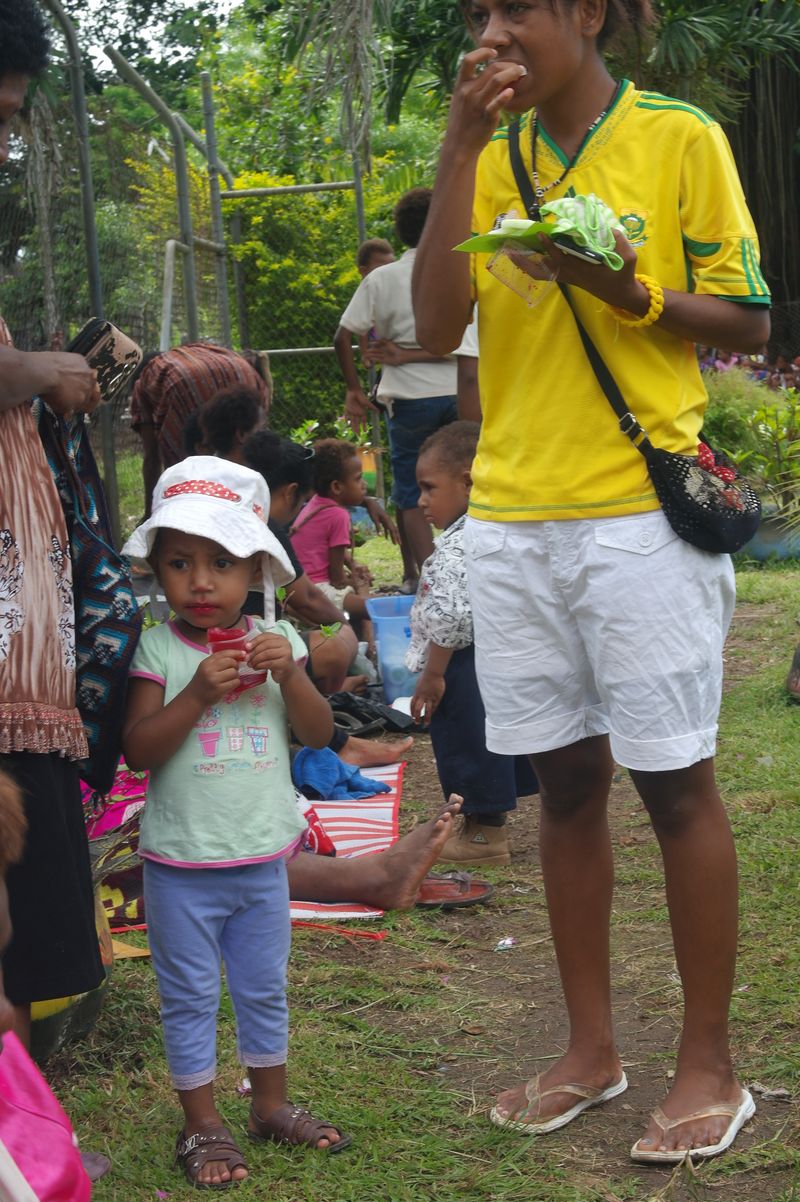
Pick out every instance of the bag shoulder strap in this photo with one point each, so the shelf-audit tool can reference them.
(627, 422)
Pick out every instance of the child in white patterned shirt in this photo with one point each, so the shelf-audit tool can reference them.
(447, 694)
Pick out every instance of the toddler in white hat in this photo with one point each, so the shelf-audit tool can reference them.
(222, 501)
(212, 728)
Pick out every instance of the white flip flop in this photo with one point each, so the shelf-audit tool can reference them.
(588, 1095)
(738, 1115)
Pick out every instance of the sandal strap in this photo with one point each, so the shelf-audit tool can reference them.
(722, 1110)
(532, 1091)
(294, 1125)
(462, 879)
(214, 1143)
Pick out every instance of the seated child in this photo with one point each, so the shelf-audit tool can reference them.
(332, 645)
(447, 695)
(321, 534)
(221, 819)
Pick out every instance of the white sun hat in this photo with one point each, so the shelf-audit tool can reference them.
(222, 501)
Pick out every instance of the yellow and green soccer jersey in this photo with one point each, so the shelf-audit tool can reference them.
(550, 445)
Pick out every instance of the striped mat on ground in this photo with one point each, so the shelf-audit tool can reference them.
(357, 828)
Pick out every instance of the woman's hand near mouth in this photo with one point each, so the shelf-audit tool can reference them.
(484, 84)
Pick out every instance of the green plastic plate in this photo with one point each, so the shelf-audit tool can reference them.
(489, 243)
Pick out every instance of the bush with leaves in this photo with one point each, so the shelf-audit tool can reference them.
(298, 252)
(733, 398)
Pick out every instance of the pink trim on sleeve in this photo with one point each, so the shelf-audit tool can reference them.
(140, 674)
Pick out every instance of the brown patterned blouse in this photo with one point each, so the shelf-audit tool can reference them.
(37, 623)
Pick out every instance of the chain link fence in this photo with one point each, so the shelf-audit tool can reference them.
(785, 339)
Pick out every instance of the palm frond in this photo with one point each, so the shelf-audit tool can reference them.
(341, 37)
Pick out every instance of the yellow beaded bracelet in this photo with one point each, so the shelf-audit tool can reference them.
(653, 313)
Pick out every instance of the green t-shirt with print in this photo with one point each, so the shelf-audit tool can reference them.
(226, 796)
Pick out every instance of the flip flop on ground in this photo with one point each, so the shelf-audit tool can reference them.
(738, 1113)
(525, 1120)
(447, 890)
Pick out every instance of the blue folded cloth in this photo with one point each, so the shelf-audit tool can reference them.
(319, 770)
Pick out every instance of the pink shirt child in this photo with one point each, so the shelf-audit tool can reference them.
(322, 524)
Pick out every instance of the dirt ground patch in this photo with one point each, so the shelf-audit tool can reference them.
(750, 641)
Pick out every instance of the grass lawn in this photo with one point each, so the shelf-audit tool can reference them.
(404, 1041)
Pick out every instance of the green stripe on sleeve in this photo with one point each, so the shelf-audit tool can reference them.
(760, 302)
(761, 283)
(702, 249)
(682, 108)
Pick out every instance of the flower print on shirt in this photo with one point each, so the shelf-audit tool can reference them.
(12, 568)
(61, 564)
(441, 613)
(258, 736)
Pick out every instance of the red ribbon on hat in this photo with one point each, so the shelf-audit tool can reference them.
(202, 487)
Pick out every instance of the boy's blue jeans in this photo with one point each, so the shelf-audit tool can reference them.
(412, 422)
(489, 783)
(197, 917)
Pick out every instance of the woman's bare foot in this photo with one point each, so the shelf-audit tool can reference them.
(392, 879)
(372, 753)
(598, 1072)
(692, 1093)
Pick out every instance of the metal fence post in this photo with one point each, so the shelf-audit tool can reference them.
(181, 181)
(236, 233)
(217, 229)
(374, 418)
(106, 415)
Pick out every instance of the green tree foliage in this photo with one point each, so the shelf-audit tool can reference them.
(299, 257)
(706, 52)
(162, 39)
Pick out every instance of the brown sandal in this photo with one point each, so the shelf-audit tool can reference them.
(213, 1143)
(292, 1125)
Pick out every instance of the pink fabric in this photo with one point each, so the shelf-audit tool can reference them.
(126, 798)
(288, 853)
(36, 1131)
(322, 524)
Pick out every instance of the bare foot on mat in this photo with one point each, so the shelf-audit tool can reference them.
(372, 753)
(392, 880)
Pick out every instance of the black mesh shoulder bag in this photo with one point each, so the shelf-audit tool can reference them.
(705, 501)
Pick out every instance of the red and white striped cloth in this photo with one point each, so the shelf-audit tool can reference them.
(358, 828)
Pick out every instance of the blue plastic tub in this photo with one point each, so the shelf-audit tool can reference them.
(390, 616)
(773, 541)
(389, 607)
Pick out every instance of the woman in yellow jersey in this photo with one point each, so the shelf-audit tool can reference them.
(598, 631)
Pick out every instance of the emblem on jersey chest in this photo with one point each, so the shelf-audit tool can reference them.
(634, 223)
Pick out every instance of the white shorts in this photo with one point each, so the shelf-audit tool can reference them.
(595, 627)
(335, 595)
